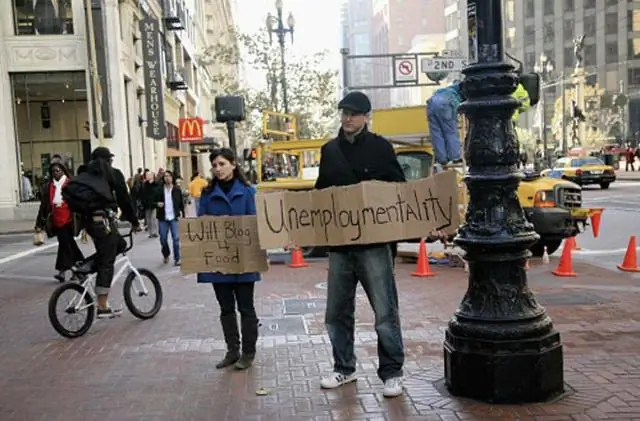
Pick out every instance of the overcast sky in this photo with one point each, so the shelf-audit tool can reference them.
(317, 27)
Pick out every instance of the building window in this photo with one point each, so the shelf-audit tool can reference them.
(590, 25)
(569, 29)
(612, 2)
(611, 23)
(529, 35)
(510, 11)
(633, 76)
(611, 52)
(42, 17)
(548, 7)
(569, 57)
(633, 49)
(530, 9)
(529, 61)
(569, 5)
(633, 20)
(589, 4)
(549, 33)
(590, 55)
(51, 117)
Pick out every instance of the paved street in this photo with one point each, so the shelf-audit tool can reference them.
(162, 369)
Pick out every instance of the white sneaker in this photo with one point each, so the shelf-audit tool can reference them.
(336, 380)
(393, 387)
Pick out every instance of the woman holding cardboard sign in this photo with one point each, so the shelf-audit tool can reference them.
(229, 194)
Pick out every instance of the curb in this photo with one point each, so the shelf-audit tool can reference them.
(30, 231)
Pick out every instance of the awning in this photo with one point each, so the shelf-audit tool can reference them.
(176, 153)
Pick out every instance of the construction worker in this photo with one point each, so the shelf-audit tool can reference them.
(522, 96)
(442, 113)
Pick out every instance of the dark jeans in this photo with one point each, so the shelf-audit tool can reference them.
(68, 250)
(235, 293)
(166, 227)
(106, 242)
(373, 267)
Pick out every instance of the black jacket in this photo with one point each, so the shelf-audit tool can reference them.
(176, 198)
(369, 157)
(148, 193)
(118, 185)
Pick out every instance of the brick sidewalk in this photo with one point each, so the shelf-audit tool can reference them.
(162, 369)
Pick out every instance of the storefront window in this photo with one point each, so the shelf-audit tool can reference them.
(42, 17)
(51, 121)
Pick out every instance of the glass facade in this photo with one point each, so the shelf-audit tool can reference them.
(51, 119)
(42, 17)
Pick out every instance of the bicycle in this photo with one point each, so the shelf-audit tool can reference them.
(85, 271)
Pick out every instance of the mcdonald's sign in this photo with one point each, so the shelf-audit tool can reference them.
(191, 129)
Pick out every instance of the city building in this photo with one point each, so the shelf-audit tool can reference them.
(374, 27)
(148, 79)
(394, 25)
(548, 28)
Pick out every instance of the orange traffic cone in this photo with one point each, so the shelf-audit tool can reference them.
(573, 243)
(423, 270)
(595, 222)
(565, 267)
(297, 259)
(630, 262)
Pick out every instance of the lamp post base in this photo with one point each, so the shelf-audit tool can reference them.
(504, 371)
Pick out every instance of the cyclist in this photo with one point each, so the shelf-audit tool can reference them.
(106, 192)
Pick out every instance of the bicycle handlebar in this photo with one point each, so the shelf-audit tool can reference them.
(130, 242)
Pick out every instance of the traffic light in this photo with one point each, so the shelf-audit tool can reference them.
(531, 83)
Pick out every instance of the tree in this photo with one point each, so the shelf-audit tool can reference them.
(604, 118)
(311, 91)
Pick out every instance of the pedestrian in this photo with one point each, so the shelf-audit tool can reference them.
(98, 206)
(147, 195)
(169, 208)
(354, 156)
(196, 185)
(57, 220)
(229, 193)
(442, 113)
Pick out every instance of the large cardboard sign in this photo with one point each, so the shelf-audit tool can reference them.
(225, 244)
(366, 213)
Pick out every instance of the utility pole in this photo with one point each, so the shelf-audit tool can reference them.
(93, 68)
(500, 345)
(564, 115)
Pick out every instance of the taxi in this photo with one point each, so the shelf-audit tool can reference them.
(582, 171)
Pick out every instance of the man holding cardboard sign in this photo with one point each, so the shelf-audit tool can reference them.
(358, 155)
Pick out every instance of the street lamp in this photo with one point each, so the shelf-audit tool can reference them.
(544, 67)
(275, 25)
(500, 345)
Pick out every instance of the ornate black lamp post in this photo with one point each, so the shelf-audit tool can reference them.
(500, 345)
(275, 25)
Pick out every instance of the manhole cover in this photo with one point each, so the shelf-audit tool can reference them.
(281, 326)
(304, 306)
(570, 298)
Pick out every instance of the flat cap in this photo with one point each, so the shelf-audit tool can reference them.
(356, 102)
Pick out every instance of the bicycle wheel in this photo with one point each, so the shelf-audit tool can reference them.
(88, 305)
(139, 292)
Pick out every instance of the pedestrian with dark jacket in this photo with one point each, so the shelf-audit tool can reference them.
(148, 192)
(55, 217)
(229, 193)
(358, 155)
(169, 208)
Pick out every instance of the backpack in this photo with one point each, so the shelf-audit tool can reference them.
(87, 193)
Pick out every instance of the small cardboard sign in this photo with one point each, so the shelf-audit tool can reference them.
(365, 213)
(224, 244)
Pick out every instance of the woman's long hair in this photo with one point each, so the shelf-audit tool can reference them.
(60, 165)
(227, 154)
